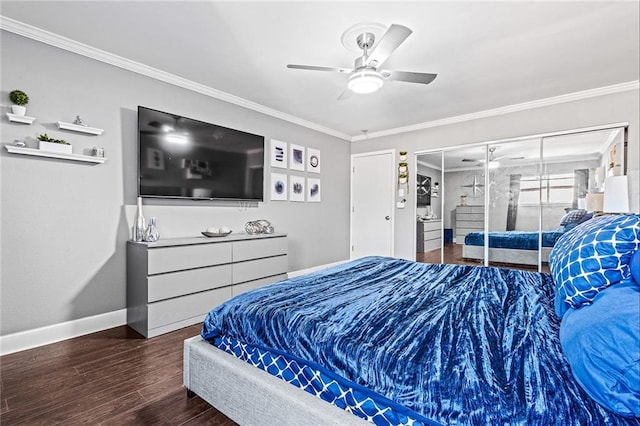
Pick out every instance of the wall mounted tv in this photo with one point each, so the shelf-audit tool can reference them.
(184, 158)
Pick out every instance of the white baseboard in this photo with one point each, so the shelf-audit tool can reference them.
(54, 333)
(66, 330)
(314, 269)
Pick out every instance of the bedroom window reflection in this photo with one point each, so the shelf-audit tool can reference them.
(556, 189)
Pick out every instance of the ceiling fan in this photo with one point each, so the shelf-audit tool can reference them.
(493, 160)
(365, 76)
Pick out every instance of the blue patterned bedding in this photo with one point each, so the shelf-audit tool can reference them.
(452, 344)
(514, 239)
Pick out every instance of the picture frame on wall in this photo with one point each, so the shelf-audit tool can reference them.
(278, 154)
(296, 157)
(297, 189)
(278, 187)
(313, 160)
(313, 190)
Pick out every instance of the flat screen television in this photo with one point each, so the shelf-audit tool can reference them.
(184, 158)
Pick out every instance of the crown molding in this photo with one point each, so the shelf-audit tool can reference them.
(52, 39)
(569, 97)
(38, 34)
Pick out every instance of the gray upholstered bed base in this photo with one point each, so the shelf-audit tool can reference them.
(503, 255)
(250, 396)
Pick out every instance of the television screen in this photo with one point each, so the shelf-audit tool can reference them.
(184, 158)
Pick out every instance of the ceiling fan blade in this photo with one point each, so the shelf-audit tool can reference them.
(469, 160)
(389, 42)
(410, 77)
(314, 68)
(346, 94)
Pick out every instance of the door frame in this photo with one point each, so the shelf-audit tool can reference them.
(392, 203)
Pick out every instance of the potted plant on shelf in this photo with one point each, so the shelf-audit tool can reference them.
(19, 100)
(46, 143)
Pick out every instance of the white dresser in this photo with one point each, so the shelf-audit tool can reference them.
(432, 234)
(468, 219)
(174, 282)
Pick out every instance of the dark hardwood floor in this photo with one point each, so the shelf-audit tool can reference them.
(453, 254)
(113, 377)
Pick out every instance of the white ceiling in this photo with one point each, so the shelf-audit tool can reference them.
(486, 54)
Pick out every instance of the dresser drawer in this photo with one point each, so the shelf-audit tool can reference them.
(255, 249)
(176, 258)
(432, 226)
(432, 235)
(462, 217)
(251, 285)
(166, 286)
(177, 309)
(254, 269)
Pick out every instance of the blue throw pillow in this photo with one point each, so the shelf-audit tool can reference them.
(572, 217)
(569, 226)
(602, 344)
(592, 257)
(635, 266)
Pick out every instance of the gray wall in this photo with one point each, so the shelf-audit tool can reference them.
(65, 224)
(608, 109)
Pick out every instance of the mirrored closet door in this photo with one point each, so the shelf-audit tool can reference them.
(429, 224)
(513, 204)
(524, 194)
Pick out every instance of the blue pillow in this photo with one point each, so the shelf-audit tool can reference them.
(635, 266)
(569, 226)
(572, 217)
(602, 344)
(592, 257)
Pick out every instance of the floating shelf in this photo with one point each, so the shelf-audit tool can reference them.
(20, 118)
(81, 129)
(41, 153)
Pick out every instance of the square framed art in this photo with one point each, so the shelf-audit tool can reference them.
(278, 154)
(296, 157)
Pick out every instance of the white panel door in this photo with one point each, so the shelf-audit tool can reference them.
(372, 199)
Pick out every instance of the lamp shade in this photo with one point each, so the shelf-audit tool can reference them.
(616, 194)
(594, 202)
(365, 81)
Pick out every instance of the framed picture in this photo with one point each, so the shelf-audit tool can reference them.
(313, 160)
(313, 188)
(296, 157)
(296, 188)
(155, 159)
(278, 187)
(278, 154)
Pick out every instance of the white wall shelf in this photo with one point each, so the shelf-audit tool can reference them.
(81, 129)
(24, 119)
(59, 155)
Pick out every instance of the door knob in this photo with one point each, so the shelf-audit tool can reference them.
(387, 218)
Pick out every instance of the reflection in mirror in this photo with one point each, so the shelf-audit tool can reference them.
(513, 204)
(429, 207)
(574, 170)
(463, 212)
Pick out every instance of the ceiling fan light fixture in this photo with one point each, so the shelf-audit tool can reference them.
(365, 81)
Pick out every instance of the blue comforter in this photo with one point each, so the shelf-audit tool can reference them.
(514, 239)
(455, 344)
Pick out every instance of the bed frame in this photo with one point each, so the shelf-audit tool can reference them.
(248, 395)
(505, 255)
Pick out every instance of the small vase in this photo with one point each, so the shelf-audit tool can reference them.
(139, 225)
(19, 110)
(151, 234)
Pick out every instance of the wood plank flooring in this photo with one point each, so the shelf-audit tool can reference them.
(453, 254)
(113, 377)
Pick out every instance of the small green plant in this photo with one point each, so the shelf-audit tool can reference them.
(45, 138)
(18, 97)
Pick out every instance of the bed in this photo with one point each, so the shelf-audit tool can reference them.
(521, 247)
(392, 341)
(514, 247)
